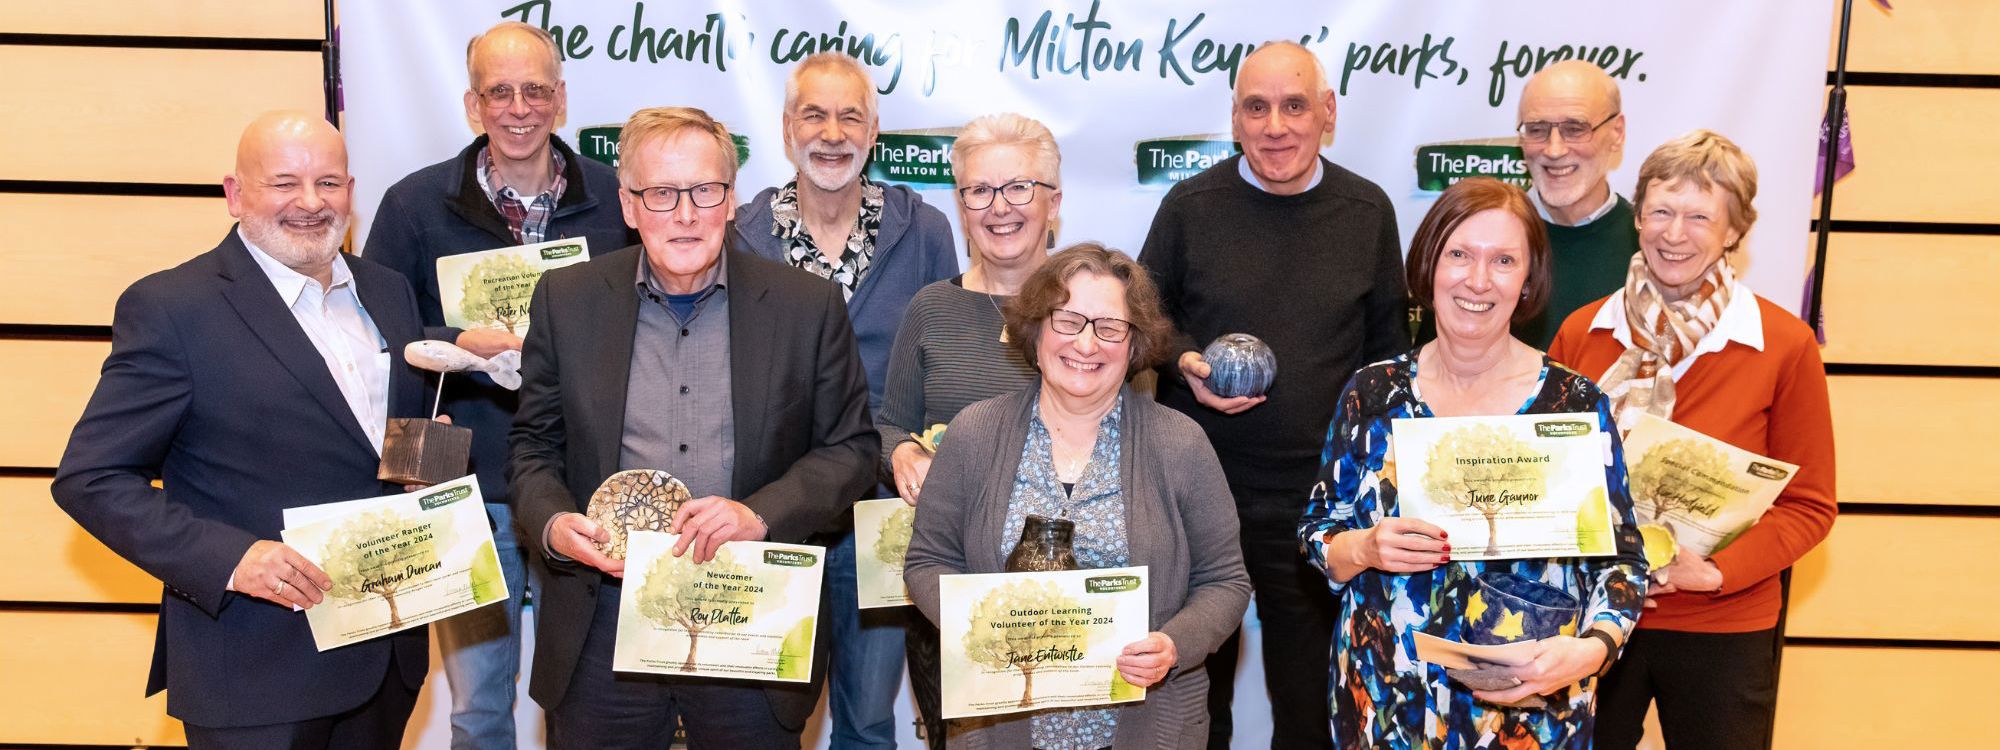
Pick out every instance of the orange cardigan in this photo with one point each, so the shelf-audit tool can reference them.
(1771, 402)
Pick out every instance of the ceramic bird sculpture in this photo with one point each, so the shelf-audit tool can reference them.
(441, 357)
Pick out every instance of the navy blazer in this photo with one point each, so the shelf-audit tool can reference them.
(212, 388)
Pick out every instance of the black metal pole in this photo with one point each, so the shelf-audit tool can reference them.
(329, 60)
(1836, 106)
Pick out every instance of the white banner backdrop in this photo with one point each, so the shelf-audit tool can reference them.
(1421, 86)
(1109, 77)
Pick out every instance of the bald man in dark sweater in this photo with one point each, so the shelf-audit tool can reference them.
(1286, 246)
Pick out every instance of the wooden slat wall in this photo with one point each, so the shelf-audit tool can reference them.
(80, 679)
(1897, 581)
(1879, 698)
(1950, 36)
(1912, 299)
(129, 237)
(143, 115)
(152, 121)
(291, 19)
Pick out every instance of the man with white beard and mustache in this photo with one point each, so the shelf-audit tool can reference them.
(1572, 136)
(257, 376)
(881, 244)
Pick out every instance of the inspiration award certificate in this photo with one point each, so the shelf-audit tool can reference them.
(881, 538)
(1703, 490)
(749, 613)
(1022, 641)
(397, 562)
(1517, 486)
(491, 288)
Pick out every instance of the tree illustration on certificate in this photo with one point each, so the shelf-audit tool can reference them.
(894, 543)
(698, 598)
(1676, 476)
(1477, 467)
(1002, 640)
(376, 554)
(497, 291)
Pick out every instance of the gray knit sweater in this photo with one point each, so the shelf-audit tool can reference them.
(1179, 521)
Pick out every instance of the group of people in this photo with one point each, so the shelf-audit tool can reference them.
(780, 354)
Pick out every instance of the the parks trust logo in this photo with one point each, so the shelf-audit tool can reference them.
(1440, 165)
(919, 159)
(1165, 161)
(600, 142)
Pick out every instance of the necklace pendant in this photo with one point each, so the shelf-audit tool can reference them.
(1003, 334)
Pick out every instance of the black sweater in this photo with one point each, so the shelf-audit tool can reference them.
(1318, 276)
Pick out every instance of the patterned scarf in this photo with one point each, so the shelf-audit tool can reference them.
(1663, 334)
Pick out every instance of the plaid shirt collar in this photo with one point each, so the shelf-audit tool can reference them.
(527, 217)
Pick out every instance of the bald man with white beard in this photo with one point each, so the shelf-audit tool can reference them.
(1572, 127)
(258, 376)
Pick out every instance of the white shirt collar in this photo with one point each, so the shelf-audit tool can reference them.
(1741, 322)
(1243, 168)
(291, 284)
(1610, 202)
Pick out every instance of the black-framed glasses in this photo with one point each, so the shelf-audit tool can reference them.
(1108, 330)
(502, 95)
(1017, 193)
(1571, 131)
(664, 198)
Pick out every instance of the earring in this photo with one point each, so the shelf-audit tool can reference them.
(1052, 239)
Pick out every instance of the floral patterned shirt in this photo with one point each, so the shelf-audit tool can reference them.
(789, 225)
(1381, 696)
(1097, 505)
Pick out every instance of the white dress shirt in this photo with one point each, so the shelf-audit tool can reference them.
(339, 327)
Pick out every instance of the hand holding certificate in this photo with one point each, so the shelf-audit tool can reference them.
(397, 562)
(747, 613)
(882, 531)
(1529, 485)
(1704, 491)
(491, 289)
(1022, 641)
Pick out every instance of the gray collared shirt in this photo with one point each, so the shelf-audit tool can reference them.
(677, 396)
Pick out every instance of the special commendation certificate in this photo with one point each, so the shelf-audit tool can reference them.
(1517, 486)
(397, 562)
(748, 613)
(881, 538)
(1704, 490)
(1024, 641)
(491, 288)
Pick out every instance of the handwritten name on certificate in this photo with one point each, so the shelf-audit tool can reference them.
(491, 289)
(748, 613)
(397, 562)
(1022, 641)
(1704, 490)
(881, 539)
(1506, 487)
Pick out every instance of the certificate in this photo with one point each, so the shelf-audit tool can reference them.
(491, 289)
(881, 538)
(397, 562)
(749, 613)
(1516, 486)
(1703, 490)
(1025, 641)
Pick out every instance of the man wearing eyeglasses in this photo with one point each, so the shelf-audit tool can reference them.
(736, 374)
(1282, 244)
(517, 183)
(1573, 135)
(880, 244)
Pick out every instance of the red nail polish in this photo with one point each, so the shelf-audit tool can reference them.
(1444, 535)
(1447, 549)
(1446, 558)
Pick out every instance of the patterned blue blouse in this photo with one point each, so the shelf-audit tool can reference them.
(1097, 505)
(1381, 696)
